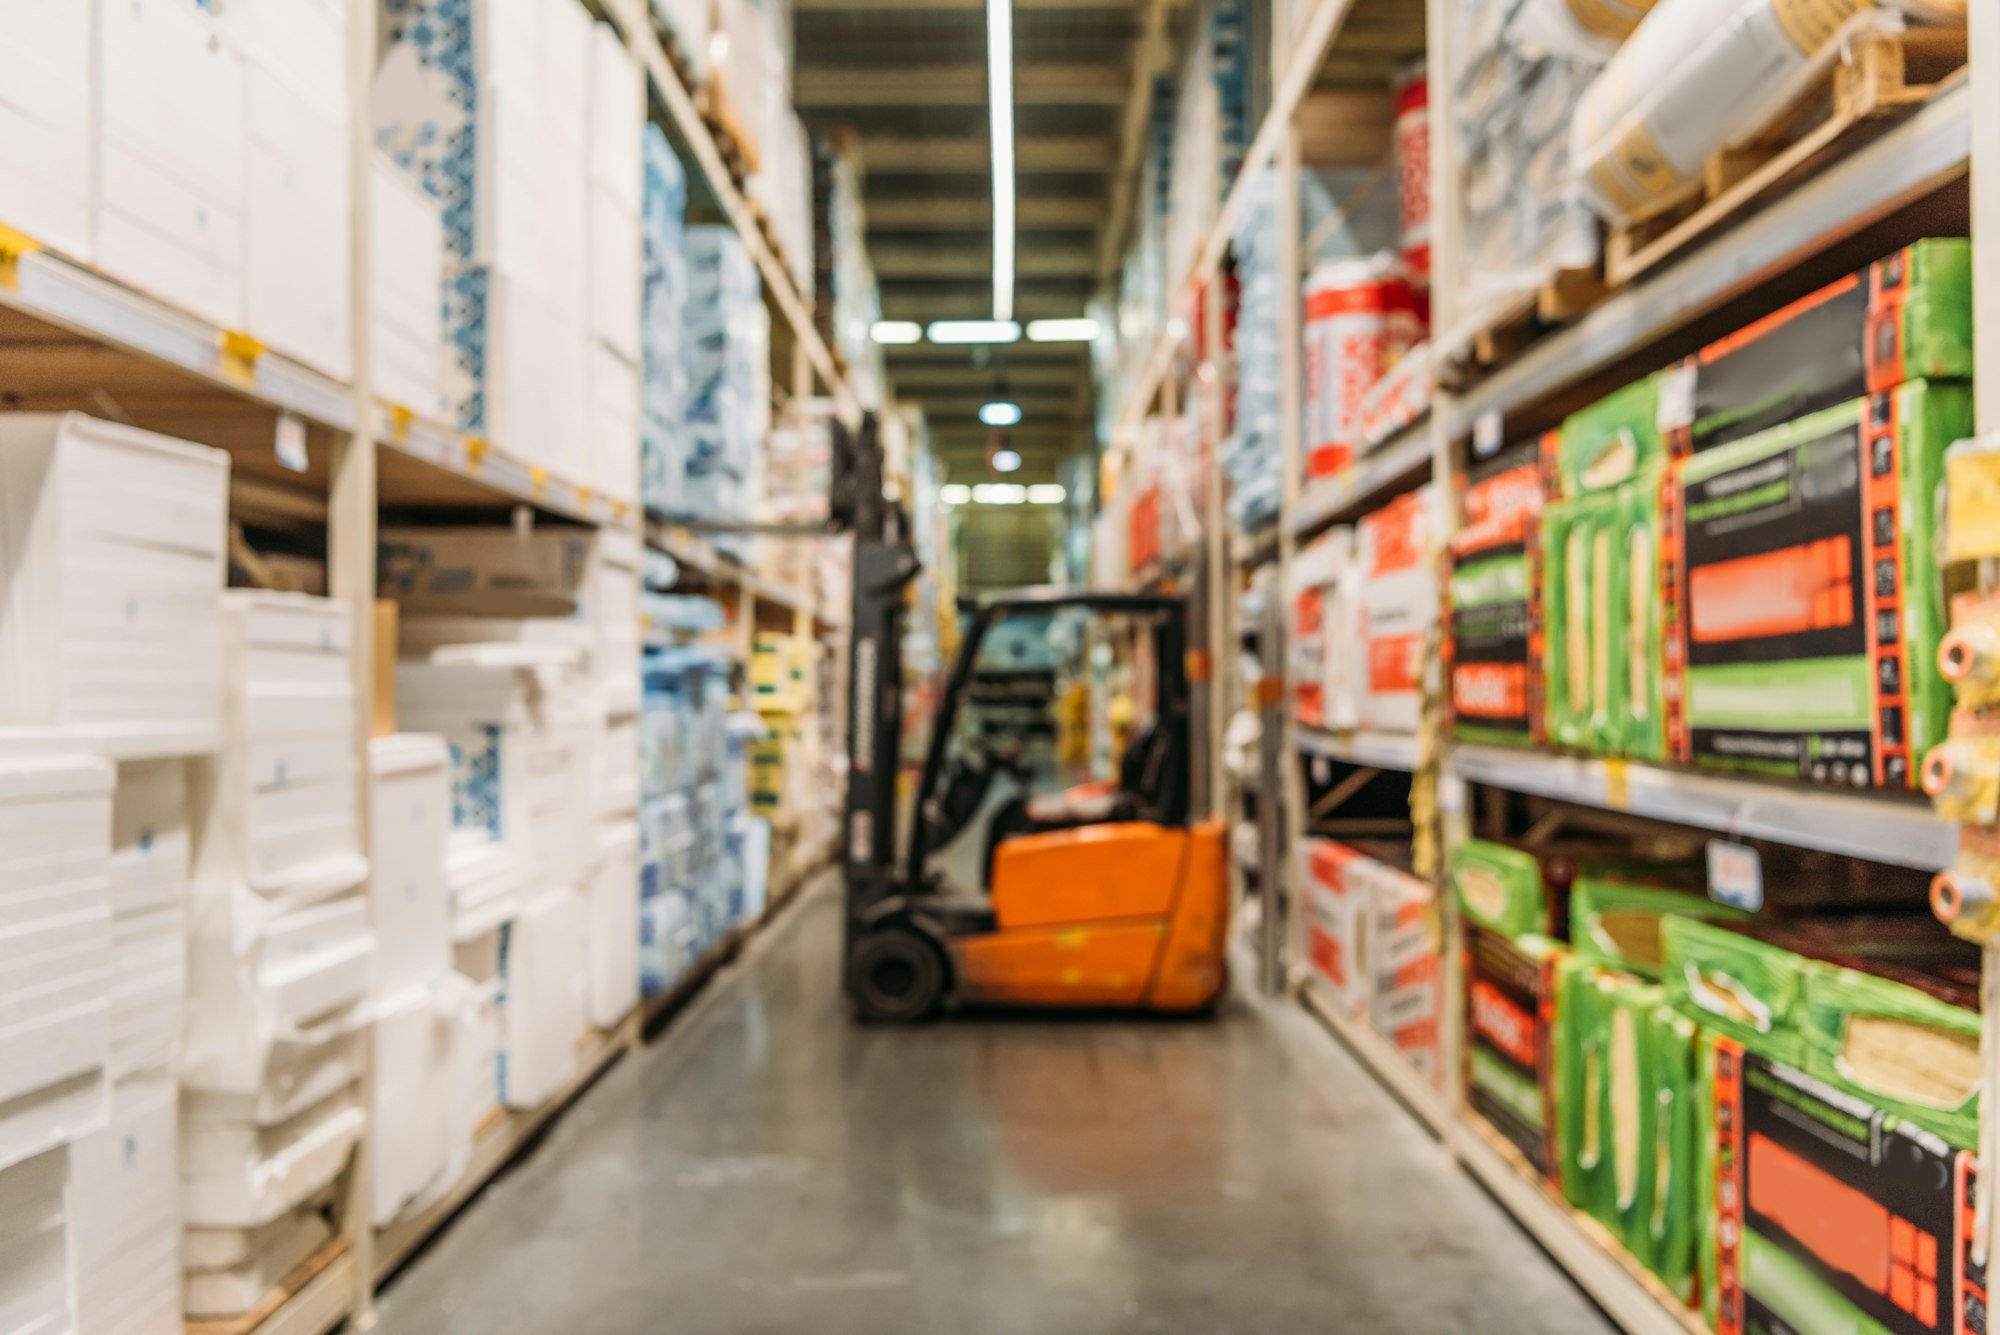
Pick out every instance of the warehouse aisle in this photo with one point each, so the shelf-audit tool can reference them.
(770, 1168)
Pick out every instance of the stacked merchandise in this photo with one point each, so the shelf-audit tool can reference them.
(1210, 131)
(685, 909)
(406, 272)
(281, 950)
(1839, 1062)
(615, 192)
(782, 186)
(1525, 67)
(1325, 672)
(687, 25)
(612, 946)
(1752, 528)
(1361, 317)
(415, 997)
(1647, 127)
(1370, 942)
(789, 788)
(1250, 455)
(1493, 662)
(97, 857)
(798, 476)
(663, 375)
(490, 105)
(725, 350)
(849, 299)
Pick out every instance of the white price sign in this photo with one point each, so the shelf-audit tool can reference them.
(1735, 875)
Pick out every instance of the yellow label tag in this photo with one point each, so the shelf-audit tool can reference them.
(618, 509)
(14, 246)
(399, 422)
(538, 481)
(239, 356)
(475, 452)
(1617, 784)
(1972, 501)
(583, 498)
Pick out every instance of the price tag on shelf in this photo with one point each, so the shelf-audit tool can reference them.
(290, 444)
(1735, 875)
(1486, 434)
(1676, 410)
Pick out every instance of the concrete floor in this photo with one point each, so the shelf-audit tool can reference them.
(769, 1167)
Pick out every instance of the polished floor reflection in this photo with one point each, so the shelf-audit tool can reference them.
(769, 1167)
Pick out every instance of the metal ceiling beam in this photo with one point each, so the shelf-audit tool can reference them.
(971, 153)
(970, 213)
(974, 301)
(835, 86)
(921, 379)
(894, 260)
(929, 356)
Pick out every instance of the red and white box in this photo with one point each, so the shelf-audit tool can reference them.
(1412, 133)
(1396, 607)
(1323, 642)
(1405, 969)
(1338, 902)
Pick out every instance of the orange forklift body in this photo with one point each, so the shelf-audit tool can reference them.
(1130, 914)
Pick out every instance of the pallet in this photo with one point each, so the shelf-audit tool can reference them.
(1564, 295)
(274, 1301)
(1878, 77)
(736, 148)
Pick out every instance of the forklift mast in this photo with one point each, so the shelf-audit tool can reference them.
(884, 564)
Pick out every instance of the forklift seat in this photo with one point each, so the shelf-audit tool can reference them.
(1152, 786)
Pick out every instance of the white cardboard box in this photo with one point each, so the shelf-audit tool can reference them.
(126, 1217)
(409, 1146)
(406, 289)
(231, 1269)
(302, 42)
(241, 1175)
(172, 156)
(613, 941)
(34, 1246)
(614, 422)
(409, 889)
(542, 1012)
(108, 602)
(48, 126)
(298, 221)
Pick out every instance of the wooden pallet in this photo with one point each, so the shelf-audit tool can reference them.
(737, 149)
(1565, 295)
(1879, 76)
(301, 1276)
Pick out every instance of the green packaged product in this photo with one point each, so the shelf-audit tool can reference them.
(1806, 602)
(1735, 983)
(1511, 1008)
(1582, 1034)
(1613, 441)
(1659, 1220)
(1499, 888)
(1602, 637)
(1911, 1046)
(1618, 923)
(1908, 316)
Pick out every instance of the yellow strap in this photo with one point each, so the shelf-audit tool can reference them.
(583, 498)
(618, 509)
(399, 422)
(538, 481)
(239, 355)
(475, 452)
(14, 246)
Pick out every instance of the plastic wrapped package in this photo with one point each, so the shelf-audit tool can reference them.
(1360, 318)
(1699, 76)
(1580, 29)
(1413, 171)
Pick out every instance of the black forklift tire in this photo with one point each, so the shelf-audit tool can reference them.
(896, 976)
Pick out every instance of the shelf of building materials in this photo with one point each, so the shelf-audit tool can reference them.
(500, 1143)
(655, 1010)
(68, 327)
(1247, 551)
(698, 556)
(1908, 162)
(634, 18)
(1313, 40)
(315, 1299)
(1402, 461)
(1387, 1065)
(1378, 750)
(426, 463)
(1895, 828)
(1631, 1296)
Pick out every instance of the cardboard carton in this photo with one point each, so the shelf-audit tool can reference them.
(1511, 1005)
(1493, 657)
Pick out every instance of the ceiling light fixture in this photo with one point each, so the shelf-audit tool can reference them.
(1000, 97)
(1006, 459)
(954, 493)
(896, 331)
(999, 493)
(1081, 330)
(1047, 493)
(1000, 413)
(973, 331)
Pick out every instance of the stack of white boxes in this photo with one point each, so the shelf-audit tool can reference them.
(406, 276)
(613, 939)
(48, 123)
(725, 349)
(281, 950)
(617, 111)
(663, 377)
(488, 103)
(110, 610)
(410, 1147)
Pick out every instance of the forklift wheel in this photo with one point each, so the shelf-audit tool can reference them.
(897, 976)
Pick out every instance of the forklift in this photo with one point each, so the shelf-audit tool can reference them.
(1101, 896)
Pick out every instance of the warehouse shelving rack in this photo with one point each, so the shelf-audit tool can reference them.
(76, 340)
(1931, 169)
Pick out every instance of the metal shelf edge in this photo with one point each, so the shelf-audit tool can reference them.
(1382, 1061)
(1882, 828)
(1364, 480)
(1382, 750)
